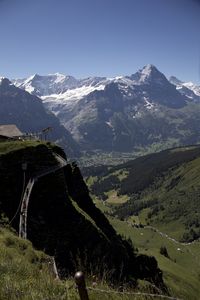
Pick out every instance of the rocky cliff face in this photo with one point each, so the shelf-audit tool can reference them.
(64, 222)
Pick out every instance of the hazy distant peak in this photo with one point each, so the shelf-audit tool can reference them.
(188, 85)
(34, 77)
(174, 80)
(56, 74)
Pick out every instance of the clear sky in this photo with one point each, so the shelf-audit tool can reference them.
(99, 37)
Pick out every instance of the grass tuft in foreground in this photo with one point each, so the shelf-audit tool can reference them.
(24, 272)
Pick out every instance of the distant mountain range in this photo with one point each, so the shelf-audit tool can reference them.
(124, 113)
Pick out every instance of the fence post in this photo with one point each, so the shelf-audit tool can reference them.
(80, 281)
(55, 270)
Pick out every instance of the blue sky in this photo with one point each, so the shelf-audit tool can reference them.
(99, 37)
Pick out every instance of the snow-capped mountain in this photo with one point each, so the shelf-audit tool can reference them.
(46, 85)
(58, 90)
(123, 112)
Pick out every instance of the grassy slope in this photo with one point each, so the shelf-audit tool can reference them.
(26, 274)
(181, 272)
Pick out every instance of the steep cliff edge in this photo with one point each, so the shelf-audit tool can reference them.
(62, 219)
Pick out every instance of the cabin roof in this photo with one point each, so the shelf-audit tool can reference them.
(10, 131)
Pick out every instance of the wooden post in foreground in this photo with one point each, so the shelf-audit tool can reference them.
(80, 281)
(55, 271)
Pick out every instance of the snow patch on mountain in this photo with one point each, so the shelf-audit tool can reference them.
(195, 88)
(58, 77)
(109, 124)
(72, 95)
(148, 104)
(124, 82)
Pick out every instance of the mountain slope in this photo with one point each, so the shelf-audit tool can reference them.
(28, 113)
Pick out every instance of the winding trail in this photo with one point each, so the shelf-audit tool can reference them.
(173, 240)
(196, 258)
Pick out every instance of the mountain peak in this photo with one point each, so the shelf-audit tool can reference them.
(35, 76)
(148, 69)
(149, 74)
(4, 81)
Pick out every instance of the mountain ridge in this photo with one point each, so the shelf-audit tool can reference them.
(141, 76)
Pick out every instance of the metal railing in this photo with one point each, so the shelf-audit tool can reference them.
(61, 163)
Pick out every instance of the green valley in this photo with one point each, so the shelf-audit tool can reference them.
(161, 211)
